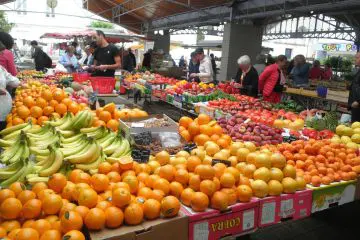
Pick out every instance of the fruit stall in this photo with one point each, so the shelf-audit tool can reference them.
(71, 170)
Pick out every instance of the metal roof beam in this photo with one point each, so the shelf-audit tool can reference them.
(131, 6)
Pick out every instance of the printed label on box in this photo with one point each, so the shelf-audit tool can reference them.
(201, 231)
(248, 219)
(287, 208)
(268, 213)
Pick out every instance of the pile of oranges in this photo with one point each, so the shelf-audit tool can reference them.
(321, 161)
(203, 129)
(109, 116)
(37, 102)
(62, 206)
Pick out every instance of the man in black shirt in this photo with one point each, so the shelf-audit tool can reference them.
(106, 57)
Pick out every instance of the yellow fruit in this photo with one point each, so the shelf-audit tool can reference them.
(262, 173)
(199, 153)
(251, 146)
(262, 160)
(235, 147)
(301, 184)
(289, 185)
(352, 145)
(275, 188)
(276, 174)
(242, 154)
(340, 130)
(355, 125)
(357, 131)
(345, 139)
(348, 131)
(289, 171)
(184, 154)
(260, 188)
(355, 138)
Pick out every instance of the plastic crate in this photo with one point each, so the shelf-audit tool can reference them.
(103, 85)
(81, 77)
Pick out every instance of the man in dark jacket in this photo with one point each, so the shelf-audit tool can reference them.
(132, 57)
(193, 67)
(354, 95)
(41, 59)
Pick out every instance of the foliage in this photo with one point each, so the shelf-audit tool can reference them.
(339, 64)
(4, 24)
(100, 24)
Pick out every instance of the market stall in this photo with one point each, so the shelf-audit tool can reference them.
(111, 173)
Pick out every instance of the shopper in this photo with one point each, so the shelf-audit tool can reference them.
(300, 72)
(247, 77)
(69, 60)
(315, 72)
(127, 62)
(6, 56)
(106, 57)
(354, 94)
(88, 58)
(147, 60)
(41, 59)
(132, 57)
(260, 63)
(193, 68)
(6, 81)
(206, 73)
(272, 80)
(182, 63)
(327, 73)
(78, 51)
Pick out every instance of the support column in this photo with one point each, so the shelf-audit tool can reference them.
(162, 41)
(238, 40)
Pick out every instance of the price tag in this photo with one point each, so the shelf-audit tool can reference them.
(226, 162)
(248, 219)
(140, 156)
(268, 213)
(143, 138)
(201, 231)
(138, 125)
(189, 147)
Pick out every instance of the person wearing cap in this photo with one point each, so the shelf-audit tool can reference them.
(206, 74)
(246, 77)
(69, 60)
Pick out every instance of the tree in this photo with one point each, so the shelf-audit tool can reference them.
(100, 24)
(4, 24)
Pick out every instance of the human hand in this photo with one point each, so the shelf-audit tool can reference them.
(3, 91)
(101, 67)
(192, 75)
(355, 104)
(237, 85)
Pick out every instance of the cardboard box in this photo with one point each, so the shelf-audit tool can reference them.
(170, 228)
(241, 218)
(327, 196)
(269, 209)
(303, 201)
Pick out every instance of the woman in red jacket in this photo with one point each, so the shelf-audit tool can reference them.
(272, 80)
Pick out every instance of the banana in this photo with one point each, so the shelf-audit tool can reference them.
(88, 155)
(124, 148)
(10, 170)
(16, 176)
(61, 121)
(12, 136)
(36, 129)
(101, 132)
(40, 137)
(40, 158)
(12, 152)
(39, 152)
(66, 133)
(108, 142)
(115, 145)
(74, 144)
(38, 179)
(46, 164)
(22, 153)
(29, 169)
(89, 130)
(75, 150)
(55, 166)
(80, 120)
(7, 143)
(67, 124)
(45, 143)
(94, 165)
(71, 139)
(12, 129)
(93, 171)
(106, 137)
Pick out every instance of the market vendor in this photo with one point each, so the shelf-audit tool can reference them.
(272, 80)
(193, 67)
(69, 60)
(106, 57)
(206, 73)
(246, 77)
(354, 94)
(6, 81)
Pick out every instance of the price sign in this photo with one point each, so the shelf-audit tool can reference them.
(189, 147)
(226, 162)
(140, 156)
(143, 138)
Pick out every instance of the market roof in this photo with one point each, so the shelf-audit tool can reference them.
(138, 15)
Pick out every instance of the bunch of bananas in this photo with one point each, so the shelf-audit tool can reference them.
(69, 123)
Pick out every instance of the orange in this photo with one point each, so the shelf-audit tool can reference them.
(217, 130)
(73, 107)
(51, 234)
(29, 101)
(113, 125)
(194, 182)
(88, 198)
(99, 182)
(104, 168)
(67, 206)
(219, 201)
(121, 197)
(205, 171)
(40, 102)
(105, 116)
(208, 187)
(185, 122)
(41, 120)
(82, 210)
(110, 107)
(74, 235)
(231, 192)
(120, 185)
(52, 218)
(36, 111)
(163, 185)
(157, 194)
(68, 191)
(83, 178)
(170, 206)
(10, 208)
(149, 182)
(162, 157)
(206, 129)
(95, 219)
(13, 233)
(41, 194)
(227, 180)
(133, 183)
(2, 232)
(114, 176)
(223, 143)
(10, 225)
(201, 139)
(244, 193)
(23, 112)
(194, 129)
(186, 135)
(192, 163)
(57, 182)
(145, 192)
(203, 119)
(31, 209)
(142, 177)
(53, 103)
(114, 217)
(167, 172)
(186, 196)
(6, 193)
(28, 223)
(103, 205)
(66, 101)
(31, 119)
(41, 226)
(61, 108)
(133, 214)
(199, 202)
(151, 209)
(176, 189)
(182, 176)
(17, 121)
(27, 234)
(47, 111)
(58, 95)
(51, 204)
(46, 94)
(71, 220)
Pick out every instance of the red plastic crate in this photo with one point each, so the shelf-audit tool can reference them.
(103, 85)
(81, 77)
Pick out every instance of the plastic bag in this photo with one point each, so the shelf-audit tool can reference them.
(170, 139)
(60, 68)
